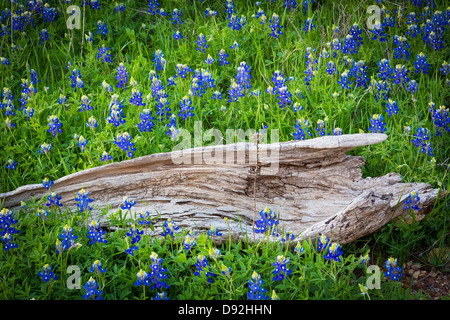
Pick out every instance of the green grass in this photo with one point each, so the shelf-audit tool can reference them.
(135, 46)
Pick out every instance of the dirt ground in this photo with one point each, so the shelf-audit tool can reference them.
(432, 281)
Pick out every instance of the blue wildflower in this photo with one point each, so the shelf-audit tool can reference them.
(122, 76)
(97, 267)
(394, 272)
(401, 47)
(391, 107)
(186, 108)
(322, 242)
(176, 16)
(105, 157)
(201, 43)
(47, 274)
(275, 26)
(53, 199)
(177, 35)
(281, 271)
(440, 117)
(169, 227)
(82, 199)
(7, 230)
(102, 27)
(116, 113)
(203, 265)
(92, 290)
(103, 53)
(68, 239)
(146, 123)
(127, 204)
(189, 242)
(301, 127)
(308, 25)
(255, 286)
(136, 98)
(159, 60)
(412, 201)
(44, 36)
(54, 124)
(334, 252)
(85, 103)
(157, 273)
(376, 124)
(123, 141)
(412, 86)
(213, 231)
(268, 222)
(47, 183)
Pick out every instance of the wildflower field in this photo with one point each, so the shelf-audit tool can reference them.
(87, 83)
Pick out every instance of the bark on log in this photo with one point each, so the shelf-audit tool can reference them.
(314, 186)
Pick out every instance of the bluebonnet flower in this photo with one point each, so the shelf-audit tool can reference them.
(82, 199)
(145, 219)
(95, 4)
(394, 272)
(62, 99)
(412, 201)
(275, 26)
(123, 141)
(44, 36)
(68, 239)
(384, 70)
(299, 248)
(331, 68)
(336, 46)
(136, 98)
(322, 242)
(95, 233)
(41, 213)
(54, 125)
(440, 117)
(11, 164)
(4, 61)
(337, 131)
(177, 35)
(107, 87)
(9, 124)
(217, 95)
(243, 75)
(379, 32)
(236, 23)
(400, 74)
(159, 60)
(135, 235)
(116, 114)
(122, 76)
(77, 82)
(213, 231)
(344, 81)
(268, 222)
(45, 148)
(47, 183)
(235, 91)
(209, 60)
(7, 230)
(161, 296)
(82, 142)
(201, 43)
(287, 236)
(105, 157)
(308, 25)
(169, 227)
(153, 6)
(120, 7)
(92, 290)
(234, 46)
(162, 12)
(334, 252)
(85, 103)
(376, 124)
(189, 242)
(176, 16)
(357, 40)
(146, 123)
(281, 271)
(321, 127)
(401, 48)
(412, 30)
(210, 13)
(103, 53)
(255, 286)
(157, 274)
(182, 70)
(102, 27)
(49, 14)
(186, 108)
(203, 265)
(47, 274)
(422, 141)
(29, 112)
(97, 267)
(445, 68)
(412, 86)
(92, 123)
(172, 130)
(301, 129)
(381, 88)
(391, 107)
(142, 279)
(229, 9)
(34, 79)
(53, 199)
(89, 37)
(359, 71)
(127, 204)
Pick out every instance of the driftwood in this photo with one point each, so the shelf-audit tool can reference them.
(314, 186)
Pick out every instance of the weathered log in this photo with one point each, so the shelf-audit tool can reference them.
(314, 186)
